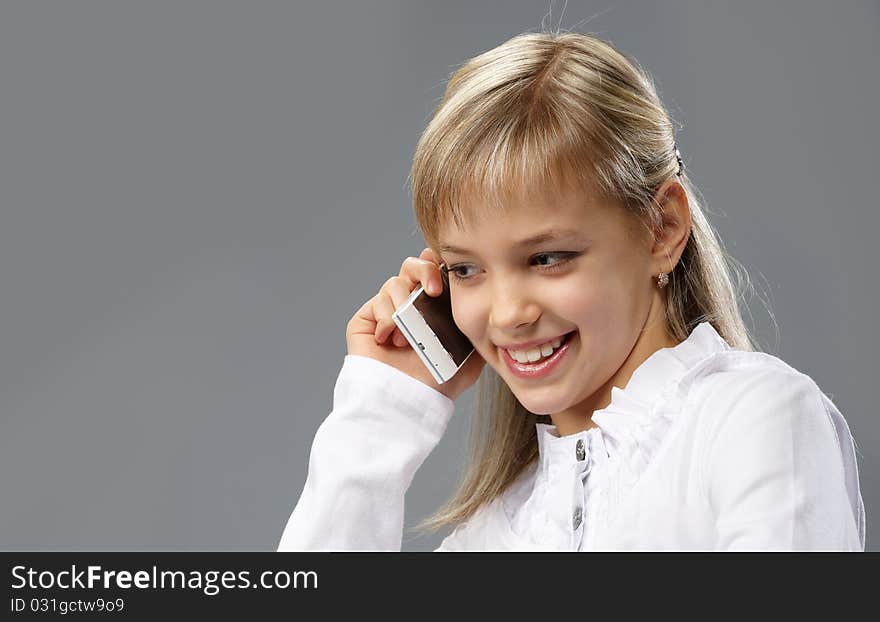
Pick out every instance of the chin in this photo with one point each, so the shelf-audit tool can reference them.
(530, 398)
(539, 406)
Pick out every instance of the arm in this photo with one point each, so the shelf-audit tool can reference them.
(383, 425)
(775, 469)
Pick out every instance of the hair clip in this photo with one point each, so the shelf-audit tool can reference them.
(680, 161)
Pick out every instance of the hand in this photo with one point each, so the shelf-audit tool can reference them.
(371, 332)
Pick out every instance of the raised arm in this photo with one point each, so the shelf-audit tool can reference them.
(383, 425)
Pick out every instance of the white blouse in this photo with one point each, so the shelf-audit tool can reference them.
(707, 448)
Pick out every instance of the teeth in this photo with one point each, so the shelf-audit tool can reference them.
(535, 354)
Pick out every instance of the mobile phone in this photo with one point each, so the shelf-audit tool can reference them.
(427, 323)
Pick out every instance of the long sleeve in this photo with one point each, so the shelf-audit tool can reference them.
(776, 470)
(383, 425)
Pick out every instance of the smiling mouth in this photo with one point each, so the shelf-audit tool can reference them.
(541, 368)
(563, 339)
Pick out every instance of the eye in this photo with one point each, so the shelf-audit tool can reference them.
(453, 271)
(561, 259)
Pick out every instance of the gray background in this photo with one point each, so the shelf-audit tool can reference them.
(196, 196)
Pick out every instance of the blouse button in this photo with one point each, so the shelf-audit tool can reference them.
(581, 453)
(576, 519)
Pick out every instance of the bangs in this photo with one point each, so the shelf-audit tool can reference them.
(480, 169)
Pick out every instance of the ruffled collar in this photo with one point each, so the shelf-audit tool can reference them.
(632, 426)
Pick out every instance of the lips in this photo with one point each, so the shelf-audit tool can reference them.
(541, 368)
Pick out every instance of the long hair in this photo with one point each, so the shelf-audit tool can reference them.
(535, 113)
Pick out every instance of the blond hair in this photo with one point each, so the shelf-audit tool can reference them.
(539, 111)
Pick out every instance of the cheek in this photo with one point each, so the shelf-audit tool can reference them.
(616, 280)
(467, 317)
(581, 296)
(595, 303)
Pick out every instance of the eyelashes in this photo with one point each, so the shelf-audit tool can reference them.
(563, 259)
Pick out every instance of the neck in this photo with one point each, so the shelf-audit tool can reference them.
(652, 337)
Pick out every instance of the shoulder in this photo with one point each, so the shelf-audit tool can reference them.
(755, 414)
(738, 395)
(734, 378)
(775, 457)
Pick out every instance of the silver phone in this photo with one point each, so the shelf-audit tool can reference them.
(427, 323)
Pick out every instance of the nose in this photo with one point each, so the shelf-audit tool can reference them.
(512, 309)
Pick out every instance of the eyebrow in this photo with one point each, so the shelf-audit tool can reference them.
(546, 236)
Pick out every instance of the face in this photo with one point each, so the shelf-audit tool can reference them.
(591, 282)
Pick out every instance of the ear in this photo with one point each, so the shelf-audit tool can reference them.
(675, 229)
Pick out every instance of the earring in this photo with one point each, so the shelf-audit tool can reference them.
(662, 280)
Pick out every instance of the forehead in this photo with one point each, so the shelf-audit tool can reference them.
(518, 218)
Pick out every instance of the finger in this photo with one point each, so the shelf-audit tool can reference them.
(363, 321)
(382, 310)
(424, 272)
(398, 289)
(428, 254)
(399, 339)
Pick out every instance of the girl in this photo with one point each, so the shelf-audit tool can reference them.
(623, 405)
